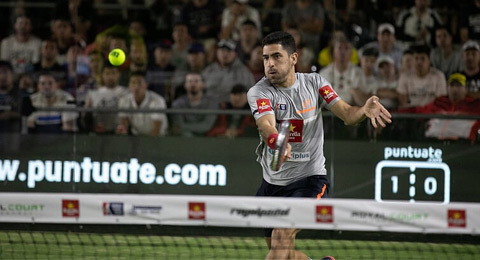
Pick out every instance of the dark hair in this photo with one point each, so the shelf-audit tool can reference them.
(238, 88)
(407, 51)
(282, 38)
(443, 27)
(370, 52)
(421, 49)
(46, 73)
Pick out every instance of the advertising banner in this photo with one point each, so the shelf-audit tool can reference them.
(239, 211)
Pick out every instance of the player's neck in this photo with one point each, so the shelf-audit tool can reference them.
(290, 80)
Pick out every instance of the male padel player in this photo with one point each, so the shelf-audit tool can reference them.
(298, 97)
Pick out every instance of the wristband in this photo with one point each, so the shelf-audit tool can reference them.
(271, 140)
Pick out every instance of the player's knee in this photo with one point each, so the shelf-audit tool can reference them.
(284, 233)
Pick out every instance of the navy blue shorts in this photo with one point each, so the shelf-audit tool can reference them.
(315, 186)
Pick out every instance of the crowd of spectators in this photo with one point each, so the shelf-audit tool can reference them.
(415, 55)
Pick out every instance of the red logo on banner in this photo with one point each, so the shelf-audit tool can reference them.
(457, 218)
(327, 94)
(196, 210)
(324, 214)
(70, 208)
(296, 131)
(263, 105)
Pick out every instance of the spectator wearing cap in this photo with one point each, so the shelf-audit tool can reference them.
(154, 124)
(347, 78)
(9, 100)
(235, 125)
(368, 61)
(196, 62)
(189, 125)
(457, 101)
(416, 24)
(446, 57)
(387, 82)
(309, 17)
(424, 85)
(471, 64)
(226, 72)
(386, 44)
(233, 17)
(21, 49)
(249, 39)
(160, 72)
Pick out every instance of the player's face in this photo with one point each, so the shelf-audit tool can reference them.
(278, 64)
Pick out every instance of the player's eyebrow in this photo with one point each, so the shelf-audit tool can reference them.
(272, 54)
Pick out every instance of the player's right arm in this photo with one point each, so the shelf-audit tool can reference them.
(266, 126)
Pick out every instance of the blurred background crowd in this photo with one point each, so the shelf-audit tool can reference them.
(418, 56)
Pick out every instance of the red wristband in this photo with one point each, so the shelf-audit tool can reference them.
(272, 139)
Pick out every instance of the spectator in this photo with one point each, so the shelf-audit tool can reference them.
(196, 63)
(181, 42)
(325, 57)
(446, 57)
(25, 85)
(193, 124)
(387, 82)
(50, 96)
(457, 101)
(203, 19)
(469, 25)
(232, 126)
(386, 44)
(368, 63)
(417, 23)
(249, 39)
(107, 96)
(233, 17)
(9, 100)
(138, 55)
(309, 17)
(347, 79)
(471, 64)
(48, 63)
(94, 79)
(306, 56)
(154, 124)
(424, 85)
(228, 71)
(407, 62)
(160, 73)
(255, 64)
(62, 33)
(21, 49)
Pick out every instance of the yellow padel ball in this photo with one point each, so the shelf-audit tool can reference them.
(116, 57)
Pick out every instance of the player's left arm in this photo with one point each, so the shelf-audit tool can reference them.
(372, 109)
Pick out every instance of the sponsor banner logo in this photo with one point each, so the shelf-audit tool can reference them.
(300, 157)
(113, 209)
(429, 154)
(263, 105)
(20, 209)
(457, 218)
(259, 212)
(196, 210)
(324, 214)
(145, 210)
(296, 131)
(328, 94)
(398, 217)
(70, 208)
(281, 106)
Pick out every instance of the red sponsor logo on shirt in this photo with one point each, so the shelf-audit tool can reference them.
(263, 105)
(457, 218)
(296, 131)
(70, 208)
(328, 94)
(324, 214)
(196, 210)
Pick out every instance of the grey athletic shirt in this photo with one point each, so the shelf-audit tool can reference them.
(301, 104)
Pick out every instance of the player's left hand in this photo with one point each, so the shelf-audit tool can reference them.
(377, 113)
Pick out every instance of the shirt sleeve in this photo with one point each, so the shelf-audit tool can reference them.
(260, 102)
(328, 96)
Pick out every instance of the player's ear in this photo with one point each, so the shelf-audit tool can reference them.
(294, 58)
